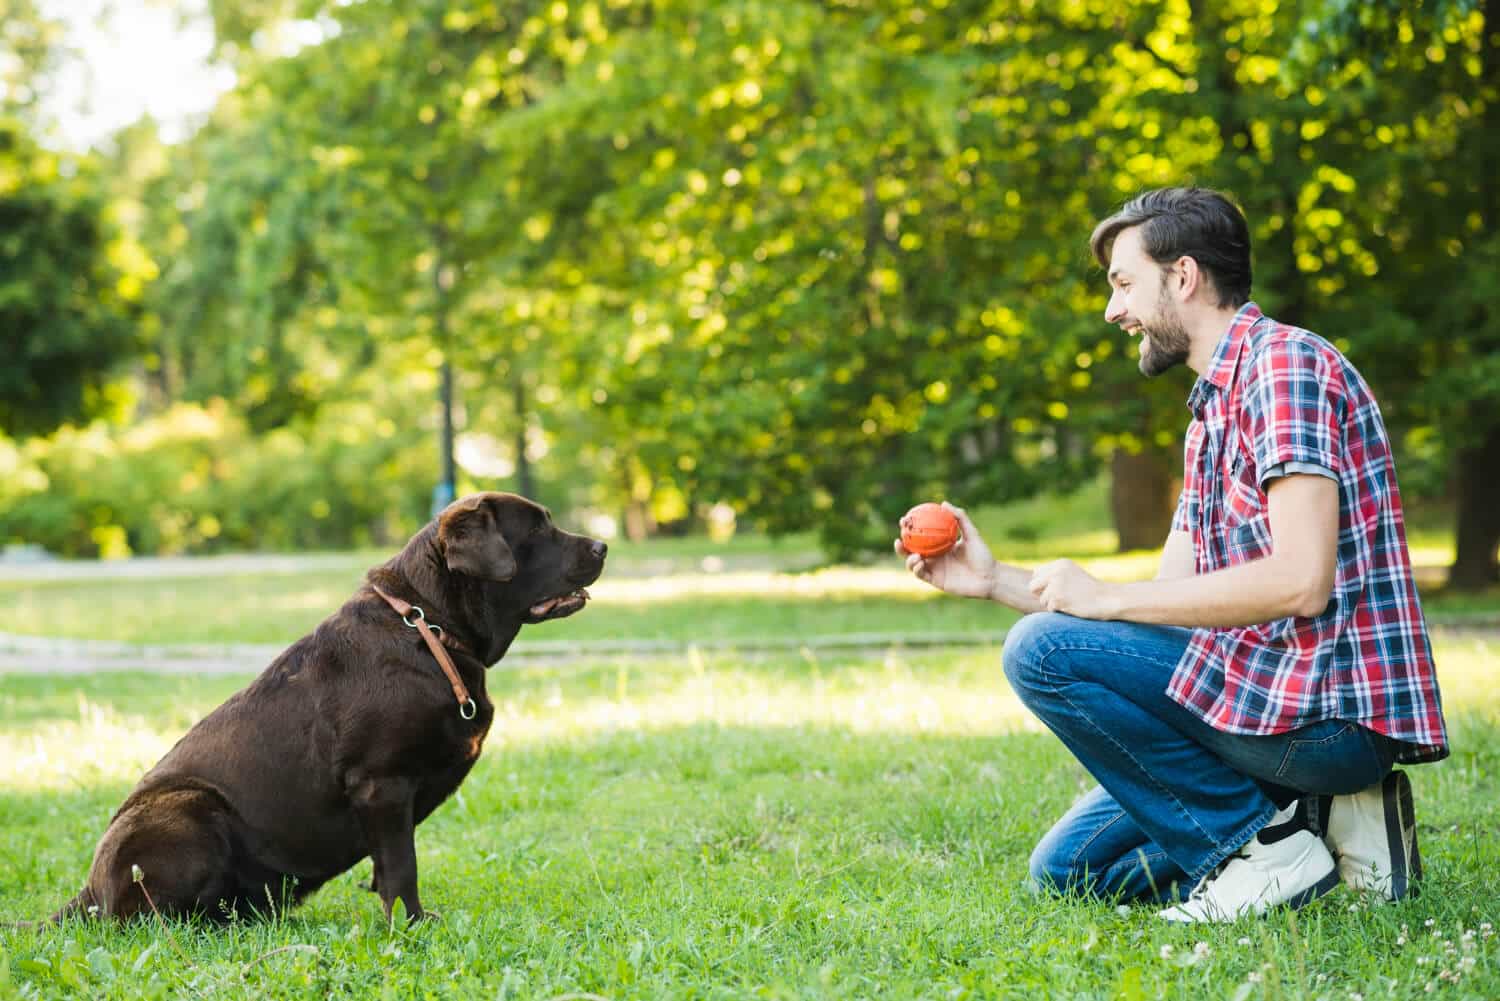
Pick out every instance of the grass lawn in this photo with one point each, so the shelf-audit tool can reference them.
(727, 607)
(718, 824)
(747, 590)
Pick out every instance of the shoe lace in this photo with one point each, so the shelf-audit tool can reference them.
(1201, 890)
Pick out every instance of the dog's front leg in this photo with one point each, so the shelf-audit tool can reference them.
(384, 807)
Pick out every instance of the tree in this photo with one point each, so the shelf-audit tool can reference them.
(29, 44)
(1420, 133)
(67, 289)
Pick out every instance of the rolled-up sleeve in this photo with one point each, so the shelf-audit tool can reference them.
(1296, 405)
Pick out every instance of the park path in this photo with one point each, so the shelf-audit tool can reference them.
(50, 655)
(44, 655)
(25, 654)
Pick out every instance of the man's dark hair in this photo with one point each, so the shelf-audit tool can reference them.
(1186, 222)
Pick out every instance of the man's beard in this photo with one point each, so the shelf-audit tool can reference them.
(1167, 342)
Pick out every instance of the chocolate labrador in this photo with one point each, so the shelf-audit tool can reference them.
(352, 736)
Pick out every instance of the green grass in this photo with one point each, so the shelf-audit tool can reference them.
(702, 607)
(746, 595)
(663, 590)
(278, 608)
(712, 825)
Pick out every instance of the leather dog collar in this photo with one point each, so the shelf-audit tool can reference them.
(413, 616)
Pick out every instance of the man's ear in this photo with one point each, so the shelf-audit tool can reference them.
(473, 544)
(1188, 276)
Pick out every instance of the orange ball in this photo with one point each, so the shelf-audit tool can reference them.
(929, 530)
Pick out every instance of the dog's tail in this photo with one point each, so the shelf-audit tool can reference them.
(80, 906)
(83, 905)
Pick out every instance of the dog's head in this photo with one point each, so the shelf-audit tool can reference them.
(510, 547)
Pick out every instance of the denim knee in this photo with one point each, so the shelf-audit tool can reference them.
(1027, 643)
(1050, 871)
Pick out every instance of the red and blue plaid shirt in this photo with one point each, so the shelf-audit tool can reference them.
(1276, 395)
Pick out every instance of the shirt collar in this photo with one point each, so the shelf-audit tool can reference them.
(1226, 357)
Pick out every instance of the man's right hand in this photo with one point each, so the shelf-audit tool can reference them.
(966, 570)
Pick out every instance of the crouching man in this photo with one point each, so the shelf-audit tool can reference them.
(1242, 712)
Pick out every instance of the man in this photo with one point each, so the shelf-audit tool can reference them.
(1242, 711)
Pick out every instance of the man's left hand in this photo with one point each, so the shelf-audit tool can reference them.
(1064, 586)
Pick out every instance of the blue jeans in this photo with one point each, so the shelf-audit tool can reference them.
(1175, 796)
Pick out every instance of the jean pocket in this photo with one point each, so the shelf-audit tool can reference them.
(1343, 761)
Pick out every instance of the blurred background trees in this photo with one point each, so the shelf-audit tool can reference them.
(808, 262)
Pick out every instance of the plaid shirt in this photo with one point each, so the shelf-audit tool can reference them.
(1275, 395)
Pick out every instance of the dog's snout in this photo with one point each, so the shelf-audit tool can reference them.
(597, 549)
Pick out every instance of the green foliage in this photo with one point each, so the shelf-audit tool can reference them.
(29, 44)
(66, 287)
(195, 479)
(815, 261)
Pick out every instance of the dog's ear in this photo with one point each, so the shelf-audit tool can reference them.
(472, 542)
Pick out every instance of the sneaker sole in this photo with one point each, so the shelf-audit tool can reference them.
(1318, 889)
(1323, 886)
(1406, 865)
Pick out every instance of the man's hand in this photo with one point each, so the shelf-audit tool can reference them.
(966, 570)
(1064, 586)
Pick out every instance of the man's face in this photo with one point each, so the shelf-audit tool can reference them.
(1142, 304)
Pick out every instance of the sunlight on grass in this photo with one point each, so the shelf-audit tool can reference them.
(1468, 672)
(832, 582)
(879, 696)
(935, 693)
(100, 745)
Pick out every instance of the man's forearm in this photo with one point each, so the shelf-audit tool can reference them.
(1245, 595)
(1012, 587)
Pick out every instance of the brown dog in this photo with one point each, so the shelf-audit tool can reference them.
(350, 738)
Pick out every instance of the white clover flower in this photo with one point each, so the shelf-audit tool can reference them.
(1430, 922)
(1166, 952)
(1201, 949)
(1243, 940)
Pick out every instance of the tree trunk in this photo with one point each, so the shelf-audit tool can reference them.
(1141, 498)
(524, 486)
(1478, 477)
(442, 283)
(1478, 472)
(639, 524)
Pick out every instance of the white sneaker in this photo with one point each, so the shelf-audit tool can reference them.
(1373, 834)
(1293, 869)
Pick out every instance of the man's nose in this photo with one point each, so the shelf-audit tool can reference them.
(1113, 312)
